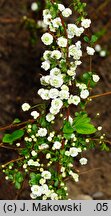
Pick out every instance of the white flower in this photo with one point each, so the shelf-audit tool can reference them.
(78, 63)
(57, 103)
(33, 196)
(99, 128)
(62, 42)
(53, 93)
(42, 132)
(71, 71)
(54, 196)
(45, 80)
(75, 177)
(54, 111)
(46, 175)
(56, 22)
(34, 6)
(81, 86)
(55, 72)
(45, 188)
(52, 29)
(96, 78)
(79, 31)
(45, 65)
(67, 153)
(73, 151)
(44, 93)
(43, 146)
(57, 145)
(35, 114)
(50, 117)
(83, 161)
(61, 7)
(70, 120)
(98, 48)
(72, 28)
(84, 93)
(56, 54)
(74, 100)
(67, 12)
(17, 144)
(46, 12)
(46, 54)
(36, 190)
(75, 52)
(86, 23)
(33, 153)
(78, 45)
(33, 163)
(42, 181)
(47, 19)
(48, 155)
(65, 87)
(64, 94)
(47, 39)
(62, 169)
(90, 51)
(103, 53)
(25, 107)
(56, 81)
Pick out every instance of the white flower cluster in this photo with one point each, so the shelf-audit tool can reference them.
(61, 59)
(42, 189)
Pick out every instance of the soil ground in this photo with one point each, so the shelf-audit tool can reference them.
(19, 81)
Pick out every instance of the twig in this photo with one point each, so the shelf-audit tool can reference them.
(100, 95)
(14, 160)
(17, 125)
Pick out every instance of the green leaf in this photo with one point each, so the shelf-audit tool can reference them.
(86, 39)
(17, 185)
(67, 136)
(83, 126)
(56, 183)
(16, 121)
(68, 129)
(94, 38)
(19, 177)
(17, 134)
(10, 138)
(7, 139)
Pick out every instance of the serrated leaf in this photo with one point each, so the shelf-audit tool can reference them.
(83, 126)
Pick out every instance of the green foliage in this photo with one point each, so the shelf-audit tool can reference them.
(67, 130)
(82, 124)
(10, 138)
(34, 178)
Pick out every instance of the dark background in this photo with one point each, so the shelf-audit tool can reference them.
(19, 81)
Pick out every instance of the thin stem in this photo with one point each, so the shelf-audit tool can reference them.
(7, 147)
(68, 113)
(17, 125)
(107, 141)
(14, 160)
(100, 95)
